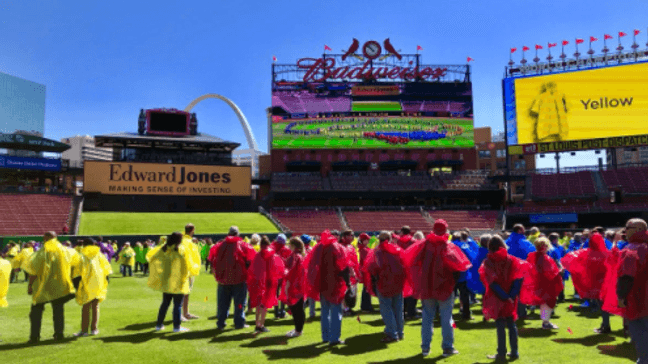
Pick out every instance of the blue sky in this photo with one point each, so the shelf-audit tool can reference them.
(103, 61)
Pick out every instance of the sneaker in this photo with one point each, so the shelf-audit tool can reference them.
(512, 356)
(603, 330)
(294, 333)
(33, 341)
(425, 352)
(181, 329)
(262, 329)
(159, 328)
(450, 352)
(336, 343)
(388, 339)
(496, 357)
(549, 326)
(58, 337)
(183, 319)
(191, 317)
(81, 334)
(94, 332)
(585, 304)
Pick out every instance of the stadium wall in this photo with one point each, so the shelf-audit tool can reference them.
(159, 203)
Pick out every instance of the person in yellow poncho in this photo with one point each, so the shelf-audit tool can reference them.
(5, 273)
(194, 267)
(93, 269)
(12, 252)
(24, 254)
(534, 234)
(127, 259)
(50, 281)
(169, 266)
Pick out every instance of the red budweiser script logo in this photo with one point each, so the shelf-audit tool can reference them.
(321, 69)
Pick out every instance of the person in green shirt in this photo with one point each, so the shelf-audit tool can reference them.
(140, 257)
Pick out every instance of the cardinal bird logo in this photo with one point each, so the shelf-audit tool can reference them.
(390, 48)
(354, 47)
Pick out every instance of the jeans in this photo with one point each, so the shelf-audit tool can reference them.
(522, 310)
(464, 297)
(164, 307)
(138, 267)
(410, 306)
(311, 307)
(280, 308)
(298, 315)
(227, 292)
(430, 307)
(36, 318)
(639, 333)
(145, 267)
(391, 310)
(126, 268)
(501, 325)
(365, 301)
(207, 265)
(331, 320)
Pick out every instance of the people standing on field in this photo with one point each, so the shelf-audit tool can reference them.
(194, 267)
(264, 275)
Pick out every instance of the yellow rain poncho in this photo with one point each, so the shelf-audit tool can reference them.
(115, 247)
(127, 256)
(93, 268)
(21, 257)
(52, 266)
(13, 252)
(5, 274)
(193, 253)
(169, 271)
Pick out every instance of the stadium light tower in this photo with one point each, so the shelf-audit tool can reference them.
(252, 144)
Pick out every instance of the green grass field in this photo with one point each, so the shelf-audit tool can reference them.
(128, 319)
(352, 138)
(131, 223)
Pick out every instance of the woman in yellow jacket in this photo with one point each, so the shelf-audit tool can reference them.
(24, 254)
(170, 266)
(5, 273)
(93, 270)
(127, 259)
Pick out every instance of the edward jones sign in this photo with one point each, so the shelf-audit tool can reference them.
(124, 178)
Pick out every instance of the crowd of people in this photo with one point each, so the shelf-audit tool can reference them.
(513, 272)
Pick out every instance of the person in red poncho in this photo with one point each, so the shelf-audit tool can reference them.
(405, 240)
(543, 283)
(230, 259)
(327, 280)
(263, 277)
(294, 286)
(346, 239)
(502, 276)
(385, 274)
(434, 265)
(588, 270)
(280, 249)
(363, 250)
(631, 281)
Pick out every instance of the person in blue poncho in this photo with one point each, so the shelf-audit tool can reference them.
(519, 247)
(475, 284)
(609, 238)
(464, 277)
(585, 238)
(576, 243)
(557, 252)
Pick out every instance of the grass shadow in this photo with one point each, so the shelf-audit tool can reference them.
(299, 352)
(625, 350)
(412, 359)
(535, 332)
(267, 341)
(238, 337)
(143, 326)
(475, 325)
(137, 338)
(360, 344)
(42, 343)
(193, 335)
(586, 341)
(374, 323)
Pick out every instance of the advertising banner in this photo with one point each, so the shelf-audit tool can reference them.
(37, 164)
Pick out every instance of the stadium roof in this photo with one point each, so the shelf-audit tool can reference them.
(31, 142)
(190, 142)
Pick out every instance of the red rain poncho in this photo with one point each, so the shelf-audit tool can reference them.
(608, 292)
(363, 251)
(544, 282)
(387, 262)
(281, 250)
(432, 264)
(631, 261)
(352, 258)
(324, 265)
(229, 259)
(405, 241)
(263, 277)
(294, 281)
(587, 267)
(503, 269)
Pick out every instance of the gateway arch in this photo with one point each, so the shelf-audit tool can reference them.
(253, 149)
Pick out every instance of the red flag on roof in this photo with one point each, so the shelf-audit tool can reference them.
(525, 48)
(274, 59)
(565, 42)
(622, 34)
(469, 59)
(637, 31)
(579, 41)
(538, 46)
(550, 45)
(327, 48)
(607, 36)
(593, 39)
(513, 50)
(419, 48)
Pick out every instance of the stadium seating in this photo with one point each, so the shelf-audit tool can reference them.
(33, 214)
(304, 101)
(310, 222)
(381, 181)
(360, 221)
(558, 186)
(629, 180)
(474, 220)
(296, 181)
(466, 180)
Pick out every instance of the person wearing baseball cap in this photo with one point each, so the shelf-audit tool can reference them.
(434, 265)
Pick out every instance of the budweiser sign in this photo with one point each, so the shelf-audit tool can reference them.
(321, 69)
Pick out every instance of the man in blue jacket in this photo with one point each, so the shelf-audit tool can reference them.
(519, 247)
(462, 282)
